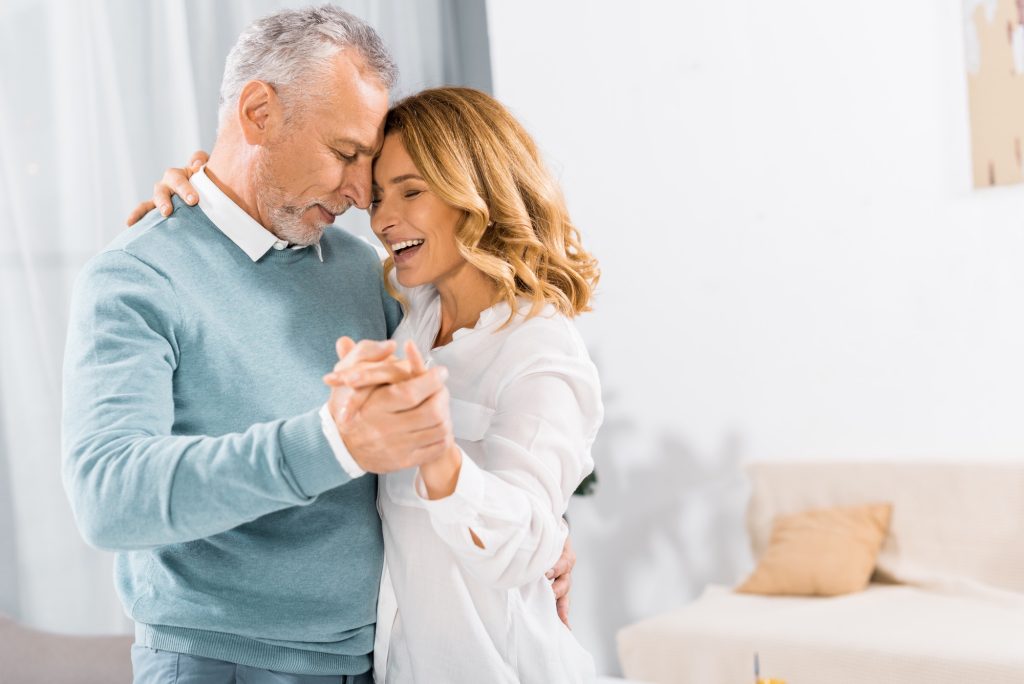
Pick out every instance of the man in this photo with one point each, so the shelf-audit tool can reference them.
(197, 440)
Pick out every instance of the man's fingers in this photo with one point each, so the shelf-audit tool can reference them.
(562, 574)
(562, 605)
(433, 412)
(565, 562)
(408, 395)
(401, 429)
(139, 212)
(561, 586)
(432, 450)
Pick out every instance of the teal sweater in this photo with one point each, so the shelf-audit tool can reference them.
(192, 444)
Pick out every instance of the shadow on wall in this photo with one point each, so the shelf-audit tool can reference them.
(664, 522)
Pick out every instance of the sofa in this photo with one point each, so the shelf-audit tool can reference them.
(945, 604)
(29, 656)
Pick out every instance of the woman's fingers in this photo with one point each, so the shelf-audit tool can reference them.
(415, 359)
(383, 373)
(355, 402)
(198, 158)
(367, 374)
(139, 212)
(343, 346)
(174, 182)
(177, 181)
(353, 353)
(162, 198)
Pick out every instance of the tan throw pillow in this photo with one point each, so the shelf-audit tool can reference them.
(823, 552)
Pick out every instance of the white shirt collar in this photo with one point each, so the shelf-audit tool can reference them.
(231, 219)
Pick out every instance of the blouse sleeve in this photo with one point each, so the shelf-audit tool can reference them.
(536, 452)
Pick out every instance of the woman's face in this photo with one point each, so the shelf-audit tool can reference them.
(415, 226)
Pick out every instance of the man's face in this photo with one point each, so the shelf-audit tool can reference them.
(319, 163)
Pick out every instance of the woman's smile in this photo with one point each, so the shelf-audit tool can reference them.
(405, 250)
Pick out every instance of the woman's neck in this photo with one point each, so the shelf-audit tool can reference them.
(465, 294)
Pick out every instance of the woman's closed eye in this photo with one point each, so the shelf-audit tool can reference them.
(408, 194)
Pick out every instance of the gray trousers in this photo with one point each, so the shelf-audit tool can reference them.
(164, 667)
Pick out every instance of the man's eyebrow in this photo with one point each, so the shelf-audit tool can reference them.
(360, 148)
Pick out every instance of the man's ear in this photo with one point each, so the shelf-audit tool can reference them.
(259, 111)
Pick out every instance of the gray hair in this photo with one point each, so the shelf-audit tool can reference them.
(291, 48)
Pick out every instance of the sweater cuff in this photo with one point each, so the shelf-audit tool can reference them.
(308, 456)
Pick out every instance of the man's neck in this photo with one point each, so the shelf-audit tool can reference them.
(230, 168)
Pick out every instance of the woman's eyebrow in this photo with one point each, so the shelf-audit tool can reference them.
(404, 177)
(375, 186)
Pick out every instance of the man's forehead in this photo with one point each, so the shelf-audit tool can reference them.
(352, 110)
(352, 125)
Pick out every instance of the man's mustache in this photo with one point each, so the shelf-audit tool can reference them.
(336, 209)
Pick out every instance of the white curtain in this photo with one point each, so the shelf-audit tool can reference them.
(97, 97)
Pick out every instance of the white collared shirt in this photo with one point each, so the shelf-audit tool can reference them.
(242, 229)
(525, 408)
(255, 240)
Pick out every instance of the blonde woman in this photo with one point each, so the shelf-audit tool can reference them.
(489, 268)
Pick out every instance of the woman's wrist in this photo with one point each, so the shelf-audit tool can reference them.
(442, 474)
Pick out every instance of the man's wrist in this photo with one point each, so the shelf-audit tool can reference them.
(341, 452)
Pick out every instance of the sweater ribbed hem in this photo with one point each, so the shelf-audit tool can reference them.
(309, 456)
(242, 651)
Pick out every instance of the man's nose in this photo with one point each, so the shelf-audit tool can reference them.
(355, 185)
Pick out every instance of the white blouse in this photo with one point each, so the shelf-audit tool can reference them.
(525, 408)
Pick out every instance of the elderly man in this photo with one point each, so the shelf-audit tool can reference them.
(197, 440)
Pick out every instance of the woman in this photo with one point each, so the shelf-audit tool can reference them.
(490, 270)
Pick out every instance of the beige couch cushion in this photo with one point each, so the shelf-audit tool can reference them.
(884, 635)
(821, 552)
(28, 656)
(950, 520)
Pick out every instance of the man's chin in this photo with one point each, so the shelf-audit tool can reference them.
(311, 235)
(321, 216)
(300, 233)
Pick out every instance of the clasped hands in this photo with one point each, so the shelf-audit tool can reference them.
(394, 413)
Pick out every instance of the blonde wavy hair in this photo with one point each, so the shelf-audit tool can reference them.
(476, 157)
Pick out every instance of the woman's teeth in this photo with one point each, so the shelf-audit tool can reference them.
(399, 246)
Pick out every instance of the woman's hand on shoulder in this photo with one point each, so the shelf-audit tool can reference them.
(174, 182)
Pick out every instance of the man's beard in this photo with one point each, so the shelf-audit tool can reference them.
(286, 219)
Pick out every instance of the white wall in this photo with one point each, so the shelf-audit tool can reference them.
(795, 264)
